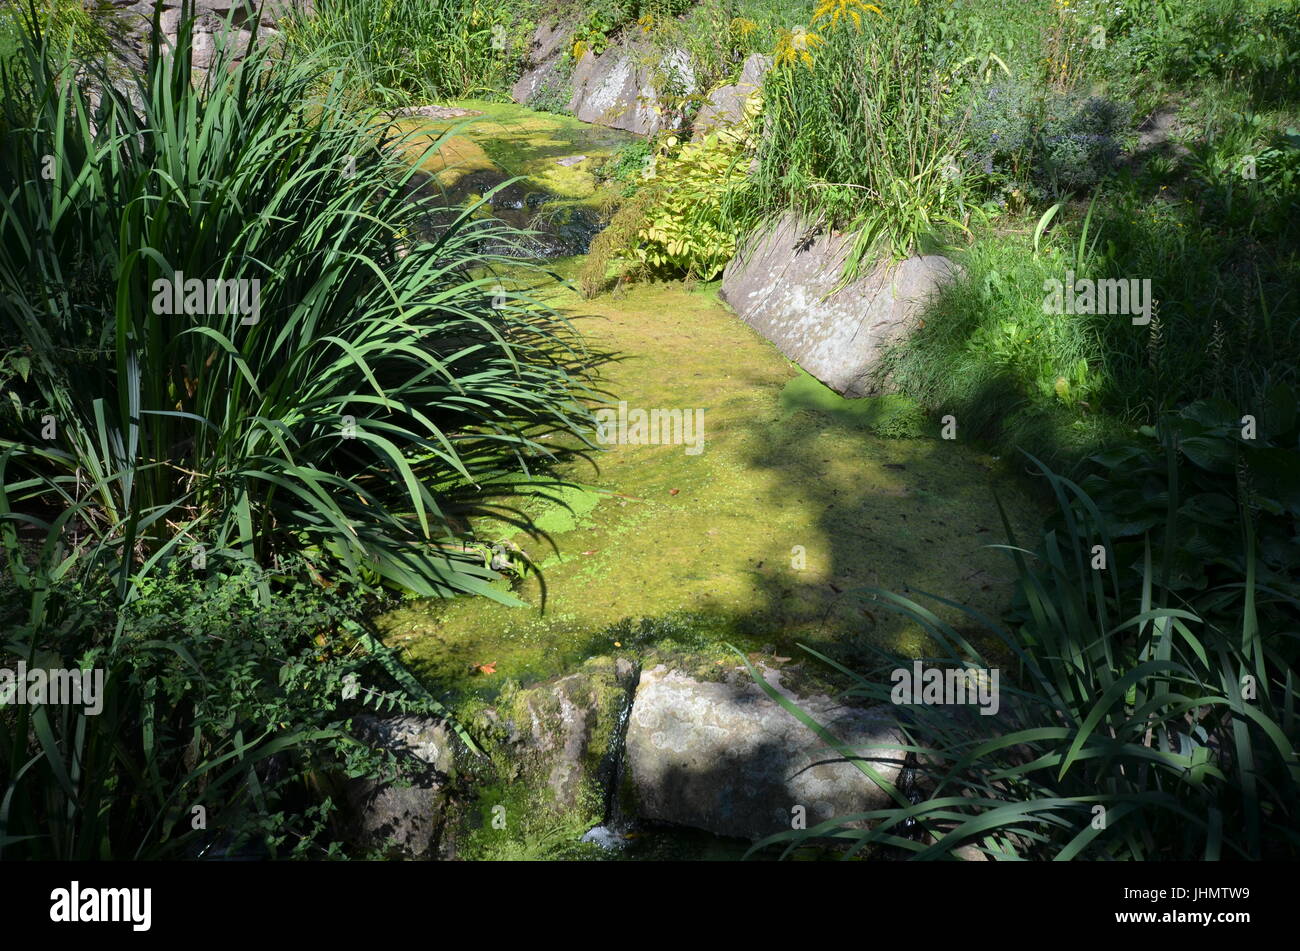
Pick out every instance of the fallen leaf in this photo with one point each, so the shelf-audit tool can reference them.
(487, 668)
(673, 491)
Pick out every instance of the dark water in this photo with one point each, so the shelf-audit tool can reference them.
(546, 226)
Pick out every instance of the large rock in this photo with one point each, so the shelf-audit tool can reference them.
(726, 104)
(616, 89)
(536, 80)
(542, 61)
(782, 284)
(407, 816)
(547, 40)
(215, 21)
(726, 758)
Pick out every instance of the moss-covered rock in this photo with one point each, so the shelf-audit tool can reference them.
(557, 737)
(551, 754)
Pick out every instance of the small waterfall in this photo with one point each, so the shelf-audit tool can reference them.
(612, 833)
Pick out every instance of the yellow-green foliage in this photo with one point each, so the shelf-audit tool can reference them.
(62, 21)
(610, 247)
(689, 228)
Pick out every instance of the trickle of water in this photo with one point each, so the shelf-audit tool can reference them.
(612, 833)
(606, 838)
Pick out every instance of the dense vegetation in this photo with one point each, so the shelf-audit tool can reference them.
(209, 509)
(326, 433)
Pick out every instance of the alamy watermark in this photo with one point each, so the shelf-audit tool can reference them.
(946, 686)
(639, 427)
(1129, 296)
(82, 904)
(75, 687)
(213, 296)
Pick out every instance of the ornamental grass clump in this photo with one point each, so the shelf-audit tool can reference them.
(237, 334)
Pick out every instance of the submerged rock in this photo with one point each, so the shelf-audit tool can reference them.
(433, 112)
(726, 758)
(782, 283)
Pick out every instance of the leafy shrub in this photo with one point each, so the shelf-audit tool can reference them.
(1042, 143)
(628, 164)
(690, 227)
(1253, 46)
(1081, 140)
(224, 721)
(63, 22)
(555, 90)
(1232, 479)
(1248, 174)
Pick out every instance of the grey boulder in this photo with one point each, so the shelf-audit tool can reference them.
(783, 284)
(407, 816)
(726, 758)
(559, 737)
(726, 104)
(617, 89)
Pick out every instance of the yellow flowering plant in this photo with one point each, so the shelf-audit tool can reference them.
(846, 9)
(796, 46)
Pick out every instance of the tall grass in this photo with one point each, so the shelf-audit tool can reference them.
(1132, 725)
(1222, 264)
(399, 53)
(855, 134)
(386, 376)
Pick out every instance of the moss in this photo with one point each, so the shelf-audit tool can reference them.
(517, 776)
(892, 416)
(761, 537)
(504, 825)
(455, 159)
(760, 540)
(517, 141)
